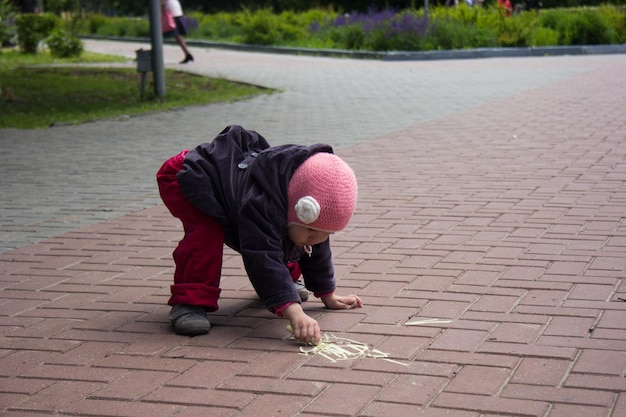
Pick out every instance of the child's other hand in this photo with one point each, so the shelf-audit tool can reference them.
(338, 302)
(305, 328)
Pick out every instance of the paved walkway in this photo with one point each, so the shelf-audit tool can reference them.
(489, 247)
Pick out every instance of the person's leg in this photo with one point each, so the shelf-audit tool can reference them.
(181, 30)
(198, 256)
(198, 260)
(294, 271)
(181, 42)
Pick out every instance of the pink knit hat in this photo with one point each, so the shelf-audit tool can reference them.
(322, 193)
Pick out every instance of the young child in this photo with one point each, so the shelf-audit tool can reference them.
(276, 206)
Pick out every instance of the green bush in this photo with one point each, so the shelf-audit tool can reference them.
(446, 28)
(448, 34)
(579, 26)
(259, 28)
(138, 28)
(219, 26)
(350, 37)
(95, 22)
(263, 27)
(34, 28)
(122, 26)
(64, 45)
(515, 31)
(544, 37)
(291, 28)
(616, 19)
(588, 28)
(7, 16)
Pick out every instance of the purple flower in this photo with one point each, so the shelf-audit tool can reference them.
(389, 21)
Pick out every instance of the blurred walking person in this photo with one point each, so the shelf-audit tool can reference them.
(180, 30)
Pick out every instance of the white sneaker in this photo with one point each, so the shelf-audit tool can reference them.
(302, 291)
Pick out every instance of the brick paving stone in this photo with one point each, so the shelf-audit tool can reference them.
(540, 371)
(8, 399)
(547, 312)
(58, 396)
(480, 380)
(272, 364)
(390, 315)
(38, 345)
(460, 340)
(258, 385)
(194, 411)
(432, 283)
(134, 385)
(24, 386)
(399, 366)
(611, 362)
(342, 399)
(403, 348)
(463, 358)
(566, 410)
(412, 389)
(516, 332)
(199, 396)
(558, 395)
(47, 329)
(207, 374)
(274, 405)
(618, 335)
(444, 309)
(486, 404)
(591, 343)
(382, 409)
(598, 305)
(331, 375)
(569, 326)
(495, 303)
(556, 352)
(117, 408)
(374, 330)
(543, 298)
(620, 406)
(18, 413)
(75, 373)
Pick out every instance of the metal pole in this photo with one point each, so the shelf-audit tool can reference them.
(156, 38)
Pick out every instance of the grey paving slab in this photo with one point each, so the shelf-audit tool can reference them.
(65, 177)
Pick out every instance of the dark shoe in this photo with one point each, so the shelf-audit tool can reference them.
(189, 320)
(302, 291)
(188, 58)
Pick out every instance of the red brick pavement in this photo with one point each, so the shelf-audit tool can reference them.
(506, 223)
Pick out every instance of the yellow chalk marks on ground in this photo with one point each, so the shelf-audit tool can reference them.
(427, 321)
(336, 349)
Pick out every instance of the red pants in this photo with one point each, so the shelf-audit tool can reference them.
(198, 257)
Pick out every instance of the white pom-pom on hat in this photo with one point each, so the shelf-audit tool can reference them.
(307, 209)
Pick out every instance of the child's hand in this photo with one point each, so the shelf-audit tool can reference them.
(338, 302)
(304, 327)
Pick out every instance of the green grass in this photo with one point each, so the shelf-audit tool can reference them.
(38, 95)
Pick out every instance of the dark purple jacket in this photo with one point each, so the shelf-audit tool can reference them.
(241, 181)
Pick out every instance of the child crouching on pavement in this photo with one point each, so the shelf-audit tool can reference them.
(276, 206)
